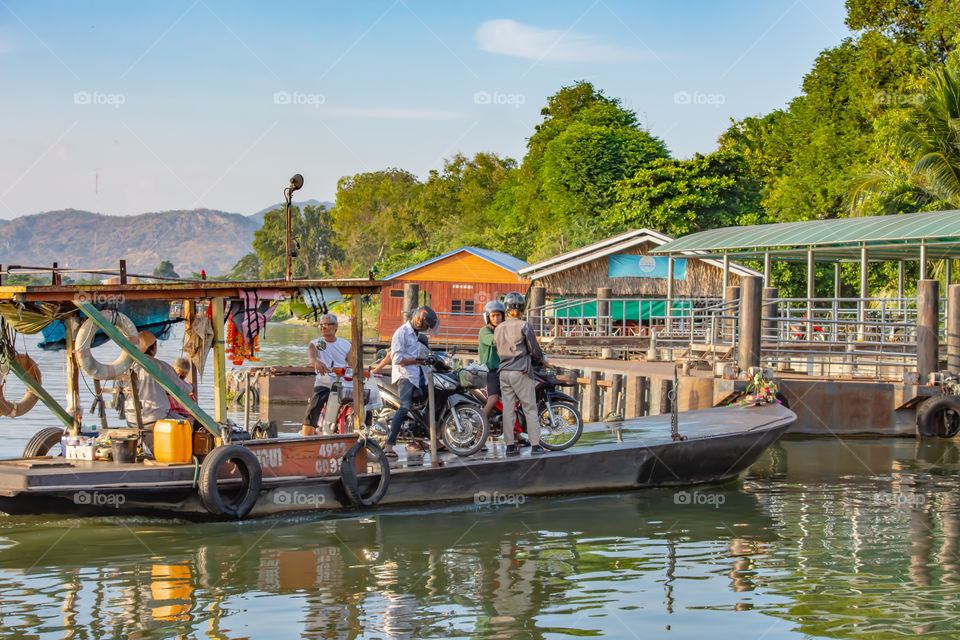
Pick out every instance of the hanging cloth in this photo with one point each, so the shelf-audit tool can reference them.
(32, 317)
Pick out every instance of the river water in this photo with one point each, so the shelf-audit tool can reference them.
(820, 538)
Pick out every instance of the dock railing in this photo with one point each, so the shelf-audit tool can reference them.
(873, 337)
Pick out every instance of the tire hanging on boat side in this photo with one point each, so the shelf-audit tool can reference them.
(348, 473)
(939, 417)
(42, 442)
(251, 475)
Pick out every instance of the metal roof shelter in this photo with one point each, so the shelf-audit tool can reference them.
(909, 236)
(893, 237)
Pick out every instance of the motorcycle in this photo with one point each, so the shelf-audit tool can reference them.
(561, 424)
(461, 423)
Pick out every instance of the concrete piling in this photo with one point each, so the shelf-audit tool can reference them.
(603, 310)
(770, 313)
(953, 329)
(411, 299)
(731, 295)
(751, 301)
(928, 327)
(538, 297)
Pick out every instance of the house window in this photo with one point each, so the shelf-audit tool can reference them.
(455, 306)
(396, 293)
(468, 306)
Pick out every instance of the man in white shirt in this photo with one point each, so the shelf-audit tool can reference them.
(408, 372)
(154, 401)
(325, 353)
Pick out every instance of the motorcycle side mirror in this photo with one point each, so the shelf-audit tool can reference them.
(453, 351)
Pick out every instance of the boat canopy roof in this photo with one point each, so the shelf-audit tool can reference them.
(182, 290)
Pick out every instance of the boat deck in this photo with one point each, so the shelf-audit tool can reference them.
(719, 443)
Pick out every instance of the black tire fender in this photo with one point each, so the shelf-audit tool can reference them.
(348, 473)
(250, 472)
(932, 421)
(42, 441)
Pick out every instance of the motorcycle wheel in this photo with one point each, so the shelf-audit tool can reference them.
(569, 426)
(474, 434)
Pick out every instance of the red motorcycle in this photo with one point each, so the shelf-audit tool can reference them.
(561, 424)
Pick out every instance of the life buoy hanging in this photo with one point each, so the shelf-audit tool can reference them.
(85, 358)
(29, 399)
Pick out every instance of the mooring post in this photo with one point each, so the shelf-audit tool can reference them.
(411, 299)
(603, 310)
(643, 396)
(731, 298)
(123, 272)
(770, 313)
(593, 397)
(953, 329)
(751, 301)
(538, 298)
(669, 306)
(615, 389)
(928, 327)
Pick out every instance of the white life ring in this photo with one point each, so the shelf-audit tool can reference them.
(85, 358)
(27, 402)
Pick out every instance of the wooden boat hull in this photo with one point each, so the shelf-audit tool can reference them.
(636, 454)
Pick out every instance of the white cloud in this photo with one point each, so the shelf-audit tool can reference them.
(510, 38)
(396, 113)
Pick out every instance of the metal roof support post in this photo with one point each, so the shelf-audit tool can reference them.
(726, 271)
(864, 292)
(900, 304)
(923, 259)
(811, 291)
(669, 293)
(766, 268)
(948, 271)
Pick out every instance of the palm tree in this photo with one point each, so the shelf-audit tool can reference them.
(929, 142)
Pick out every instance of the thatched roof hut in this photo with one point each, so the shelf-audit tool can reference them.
(613, 263)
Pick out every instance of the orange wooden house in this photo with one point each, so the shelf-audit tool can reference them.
(456, 285)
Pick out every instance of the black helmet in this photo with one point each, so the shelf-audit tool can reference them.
(424, 319)
(514, 301)
(494, 306)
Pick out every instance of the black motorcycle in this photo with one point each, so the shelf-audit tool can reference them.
(461, 423)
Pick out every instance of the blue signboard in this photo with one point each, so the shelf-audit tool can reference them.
(631, 266)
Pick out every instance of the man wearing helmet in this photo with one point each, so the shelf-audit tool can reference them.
(519, 352)
(492, 316)
(408, 372)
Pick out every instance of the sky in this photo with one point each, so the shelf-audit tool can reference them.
(128, 107)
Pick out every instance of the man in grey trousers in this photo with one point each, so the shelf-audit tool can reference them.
(519, 352)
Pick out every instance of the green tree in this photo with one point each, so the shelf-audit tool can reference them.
(313, 241)
(925, 170)
(165, 270)
(931, 26)
(679, 197)
(246, 268)
(374, 209)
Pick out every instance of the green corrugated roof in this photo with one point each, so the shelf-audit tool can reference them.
(895, 237)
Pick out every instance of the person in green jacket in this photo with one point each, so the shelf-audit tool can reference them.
(492, 315)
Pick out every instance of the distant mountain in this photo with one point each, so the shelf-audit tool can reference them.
(258, 216)
(192, 240)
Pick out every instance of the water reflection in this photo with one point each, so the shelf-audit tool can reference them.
(852, 539)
